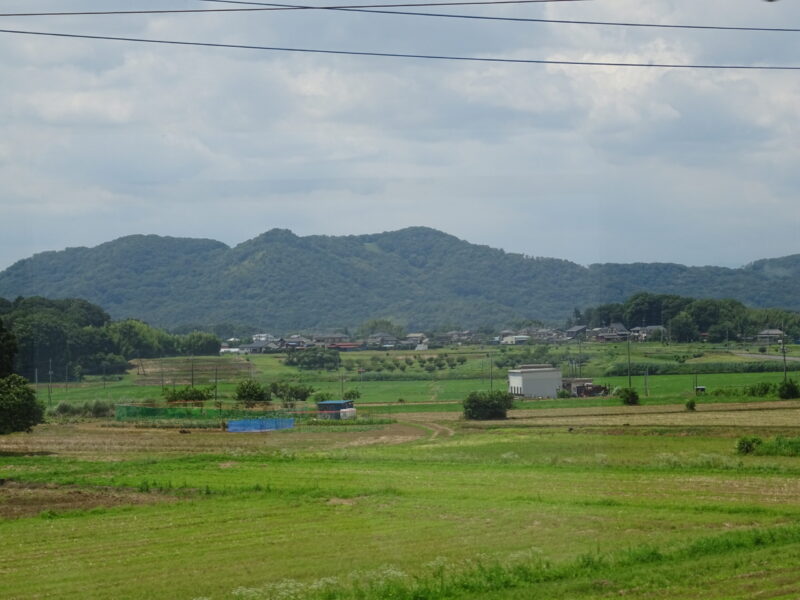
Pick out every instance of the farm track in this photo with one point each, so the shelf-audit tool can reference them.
(423, 420)
(767, 356)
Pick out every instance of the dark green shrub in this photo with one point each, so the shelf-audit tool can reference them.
(691, 405)
(760, 389)
(351, 395)
(788, 389)
(19, 408)
(747, 445)
(563, 394)
(487, 405)
(64, 409)
(188, 395)
(322, 396)
(99, 409)
(629, 396)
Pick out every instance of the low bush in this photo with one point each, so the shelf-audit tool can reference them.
(487, 405)
(691, 405)
(780, 446)
(760, 389)
(748, 445)
(629, 396)
(97, 409)
(788, 389)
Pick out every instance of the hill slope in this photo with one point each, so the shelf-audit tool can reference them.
(418, 276)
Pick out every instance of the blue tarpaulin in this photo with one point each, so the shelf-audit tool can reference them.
(246, 425)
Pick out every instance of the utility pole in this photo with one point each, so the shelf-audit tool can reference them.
(630, 385)
(216, 379)
(50, 382)
(341, 376)
(783, 349)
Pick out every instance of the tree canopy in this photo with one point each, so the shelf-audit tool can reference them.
(686, 318)
(19, 408)
(72, 336)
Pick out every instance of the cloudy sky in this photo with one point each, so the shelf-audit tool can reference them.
(100, 139)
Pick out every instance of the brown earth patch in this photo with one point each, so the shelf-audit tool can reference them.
(18, 499)
(342, 501)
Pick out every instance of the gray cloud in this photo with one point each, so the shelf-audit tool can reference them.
(102, 139)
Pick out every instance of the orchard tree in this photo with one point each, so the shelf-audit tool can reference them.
(19, 408)
(351, 394)
(250, 393)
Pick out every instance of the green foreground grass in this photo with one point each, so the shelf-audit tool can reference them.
(401, 511)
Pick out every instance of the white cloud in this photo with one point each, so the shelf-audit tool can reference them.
(589, 163)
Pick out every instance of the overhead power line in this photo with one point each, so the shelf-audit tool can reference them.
(407, 56)
(378, 9)
(375, 9)
(265, 7)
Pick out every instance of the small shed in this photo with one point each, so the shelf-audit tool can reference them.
(534, 381)
(336, 409)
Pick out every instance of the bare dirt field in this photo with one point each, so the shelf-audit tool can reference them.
(18, 499)
(95, 441)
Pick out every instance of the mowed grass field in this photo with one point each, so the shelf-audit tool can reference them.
(560, 502)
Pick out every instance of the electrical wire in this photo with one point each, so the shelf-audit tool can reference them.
(377, 9)
(407, 56)
(264, 7)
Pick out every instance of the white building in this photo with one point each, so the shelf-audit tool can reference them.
(534, 381)
(514, 340)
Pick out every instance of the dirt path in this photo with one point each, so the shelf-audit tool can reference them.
(436, 429)
(768, 356)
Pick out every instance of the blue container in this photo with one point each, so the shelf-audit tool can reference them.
(255, 425)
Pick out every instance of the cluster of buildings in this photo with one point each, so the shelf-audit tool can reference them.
(265, 342)
(615, 332)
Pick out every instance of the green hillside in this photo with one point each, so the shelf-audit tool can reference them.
(417, 276)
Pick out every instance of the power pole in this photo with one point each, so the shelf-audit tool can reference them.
(341, 375)
(783, 349)
(50, 382)
(630, 385)
(491, 374)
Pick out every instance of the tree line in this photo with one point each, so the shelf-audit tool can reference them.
(72, 337)
(685, 319)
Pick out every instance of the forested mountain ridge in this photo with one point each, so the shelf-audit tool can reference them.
(417, 276)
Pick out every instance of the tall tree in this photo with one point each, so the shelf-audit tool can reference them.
(19, 408)
(8, 348)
